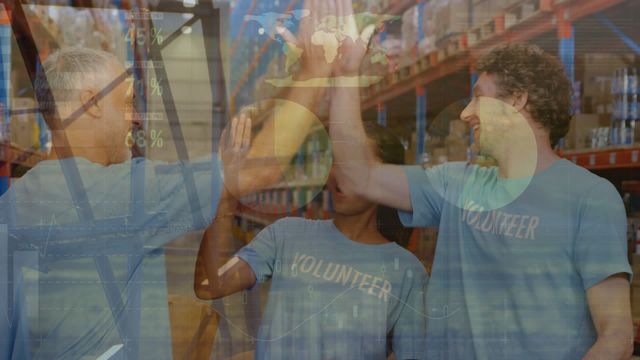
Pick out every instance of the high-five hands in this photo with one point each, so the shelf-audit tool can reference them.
(329, 42)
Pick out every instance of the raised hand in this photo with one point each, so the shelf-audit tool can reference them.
(234, 147)
(304, 46)
(328, 41)
(353, 43)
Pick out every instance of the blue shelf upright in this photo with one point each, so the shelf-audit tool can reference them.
(5, 75)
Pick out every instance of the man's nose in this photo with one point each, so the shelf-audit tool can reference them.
(136, 122)
(468, 112)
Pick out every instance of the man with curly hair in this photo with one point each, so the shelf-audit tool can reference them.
(531, 258)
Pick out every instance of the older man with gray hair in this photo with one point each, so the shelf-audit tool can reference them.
(96, 287)
(74, 85)
(99, 261)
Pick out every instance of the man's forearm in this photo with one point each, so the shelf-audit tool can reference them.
(216, 248)
(358, 169)
(611, 347)
(611, 313)
(350, 147)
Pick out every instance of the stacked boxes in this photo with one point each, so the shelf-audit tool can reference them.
(580, 133)
(484, 10)
(428, 42)
(452, 147)
(458, 141)
(597, 74)
(417, 31)
(410, 30)
(451, 17)
(481, 12)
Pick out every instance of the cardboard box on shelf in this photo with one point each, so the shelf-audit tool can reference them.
(604, 64)
(481, 12)
(410, 28)
(456, 149)
(428, 43)
(450, 17)
(485, 10)
(579, 133)
(440, 155)
(458, 129)
(596, 71)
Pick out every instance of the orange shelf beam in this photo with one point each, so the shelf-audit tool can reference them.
(542, 22)
(613, 158)
(448, 67)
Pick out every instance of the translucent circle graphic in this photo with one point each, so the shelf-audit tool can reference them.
(297, 144)
(505, 150)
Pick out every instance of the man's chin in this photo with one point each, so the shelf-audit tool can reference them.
(121, 157)
(348, 211)
(340, 211)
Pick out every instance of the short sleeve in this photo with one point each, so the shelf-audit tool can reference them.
(426, 187)
(409, 331)
(261, 253)
(601, 243)
(188, 192)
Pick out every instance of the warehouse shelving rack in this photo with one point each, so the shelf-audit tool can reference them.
(605, 159)
(246, 77)
(520, 22)
(556, 25)
(126, 314)
(462, 51)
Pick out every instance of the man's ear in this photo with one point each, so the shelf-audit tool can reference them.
(90, 105)
(521, 100)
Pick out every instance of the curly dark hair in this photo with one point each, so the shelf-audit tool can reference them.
(526, 68)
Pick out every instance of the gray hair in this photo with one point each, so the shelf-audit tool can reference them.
(68, 71)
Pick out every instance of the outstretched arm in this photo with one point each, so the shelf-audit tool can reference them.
(611, 313)
(213, 279)
(358, 170)
(217, 273)
(292, 119)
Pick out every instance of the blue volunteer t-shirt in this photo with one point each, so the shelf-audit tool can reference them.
(514, 258)
(65, 312)
(334, 298)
